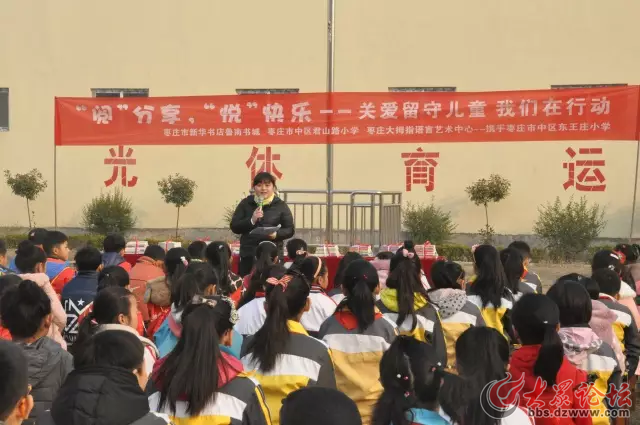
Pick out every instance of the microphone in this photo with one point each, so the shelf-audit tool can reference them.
(260, 201)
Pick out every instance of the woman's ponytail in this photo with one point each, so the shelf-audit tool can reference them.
(266, 254)
(404, 277)
(410, 375)
(286, 299)
(396, 379)
(550, 356)
(360, 280)
(272, 337)
(218, 254)
(535, 318)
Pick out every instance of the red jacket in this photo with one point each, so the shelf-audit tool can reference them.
(144, 271)
(522, 363)
(4, 334)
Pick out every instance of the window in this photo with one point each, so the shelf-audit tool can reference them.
(584, 86)
(267, 91)
(422, 89)
(4, 109)
(120, 92)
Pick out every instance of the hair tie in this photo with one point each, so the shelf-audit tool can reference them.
(184, 261)
(315, 275)
(268, 242)
(284, 282)
(211, 303)
(234, 317)
(474, 247)
(407, 254)
(301, 252)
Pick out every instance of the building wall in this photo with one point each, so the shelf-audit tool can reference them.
(66, 47)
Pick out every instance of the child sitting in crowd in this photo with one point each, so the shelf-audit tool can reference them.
(114, 246)
(197, 251)
(78, 294)
(457, 313)
(16, 401)
(26, 313)
(411, 375)
(32, 261)
(35, 236)
(218, 254)
(382, 264)
(56, 246)
(624, 327)
(391, 349)
(295, 248)
(4, 258)
(148, 268)
(583, 348)
(530, 277)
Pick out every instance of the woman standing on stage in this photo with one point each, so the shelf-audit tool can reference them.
(261, 217)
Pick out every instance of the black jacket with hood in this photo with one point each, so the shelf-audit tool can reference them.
(102, 395)
(49, 366)
(276, 213)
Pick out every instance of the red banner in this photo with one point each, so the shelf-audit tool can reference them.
(320, 118)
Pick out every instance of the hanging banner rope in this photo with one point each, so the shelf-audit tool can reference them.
(320, 118)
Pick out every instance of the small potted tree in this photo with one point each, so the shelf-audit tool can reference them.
(179, 191)
(27, 186)
(485, 191)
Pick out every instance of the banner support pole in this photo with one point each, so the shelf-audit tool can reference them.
(635, 191)
(55, 186)
(330, 81)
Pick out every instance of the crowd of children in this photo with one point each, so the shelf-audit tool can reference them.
(179, 338)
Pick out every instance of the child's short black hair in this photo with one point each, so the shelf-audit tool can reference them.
(197, 250)
(53, 239)
(23, 308)
(3, 248)
(9, 281)
(608, 281)
(155, 252)
(521, 246)
(37, 235)
(114, 243)
(113, 276)
(88, 259)
(15, 377)
(28, 255)
(384, 255)
(296, 247)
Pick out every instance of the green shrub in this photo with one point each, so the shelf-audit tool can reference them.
(455, 252)
(108, 213)
(80, 241)
(427, 223)
(567, 230)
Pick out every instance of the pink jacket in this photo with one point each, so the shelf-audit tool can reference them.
(602, 320)
(382, 266)
(59, 316)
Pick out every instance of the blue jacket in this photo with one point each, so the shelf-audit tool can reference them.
(77, 298)
(12, 265)
(166, 341)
